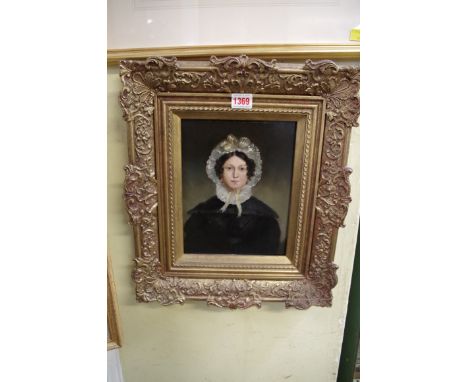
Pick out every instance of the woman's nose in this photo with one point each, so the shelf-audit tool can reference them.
(235, 173)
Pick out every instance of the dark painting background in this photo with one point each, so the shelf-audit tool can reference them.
(275, 140)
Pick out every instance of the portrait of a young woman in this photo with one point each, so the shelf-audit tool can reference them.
(224, 213)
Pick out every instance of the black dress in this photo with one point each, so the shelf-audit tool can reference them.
(208, 230)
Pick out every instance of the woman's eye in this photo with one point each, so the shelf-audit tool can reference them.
(228, 168)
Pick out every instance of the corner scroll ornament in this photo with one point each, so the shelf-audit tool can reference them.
(143, 80)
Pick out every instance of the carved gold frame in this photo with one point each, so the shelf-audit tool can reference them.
(157, 93)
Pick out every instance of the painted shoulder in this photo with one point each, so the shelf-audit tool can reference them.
(255, 206)
(213, 204)
(252, 206)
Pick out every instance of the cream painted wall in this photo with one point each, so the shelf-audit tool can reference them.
(198, 343)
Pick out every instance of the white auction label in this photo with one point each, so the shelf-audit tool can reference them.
(241, 101)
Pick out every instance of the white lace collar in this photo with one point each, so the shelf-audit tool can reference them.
(225, 195)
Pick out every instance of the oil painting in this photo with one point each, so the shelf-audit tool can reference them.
(236, 179)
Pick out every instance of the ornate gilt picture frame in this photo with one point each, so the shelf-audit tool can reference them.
(299, 123)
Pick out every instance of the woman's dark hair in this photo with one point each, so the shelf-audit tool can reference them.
(223, 158)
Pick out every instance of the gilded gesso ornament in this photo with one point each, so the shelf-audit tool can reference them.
(143, 80)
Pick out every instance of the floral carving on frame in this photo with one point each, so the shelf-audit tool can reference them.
(333, 91)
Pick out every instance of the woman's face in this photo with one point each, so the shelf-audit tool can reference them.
(234, 174)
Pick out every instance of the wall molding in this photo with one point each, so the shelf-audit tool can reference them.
(114, 336)
(282, 51)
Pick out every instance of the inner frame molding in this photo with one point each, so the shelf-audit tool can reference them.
(307, 112)
(157, 94)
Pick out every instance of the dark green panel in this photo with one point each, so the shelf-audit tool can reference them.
(350, 346)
